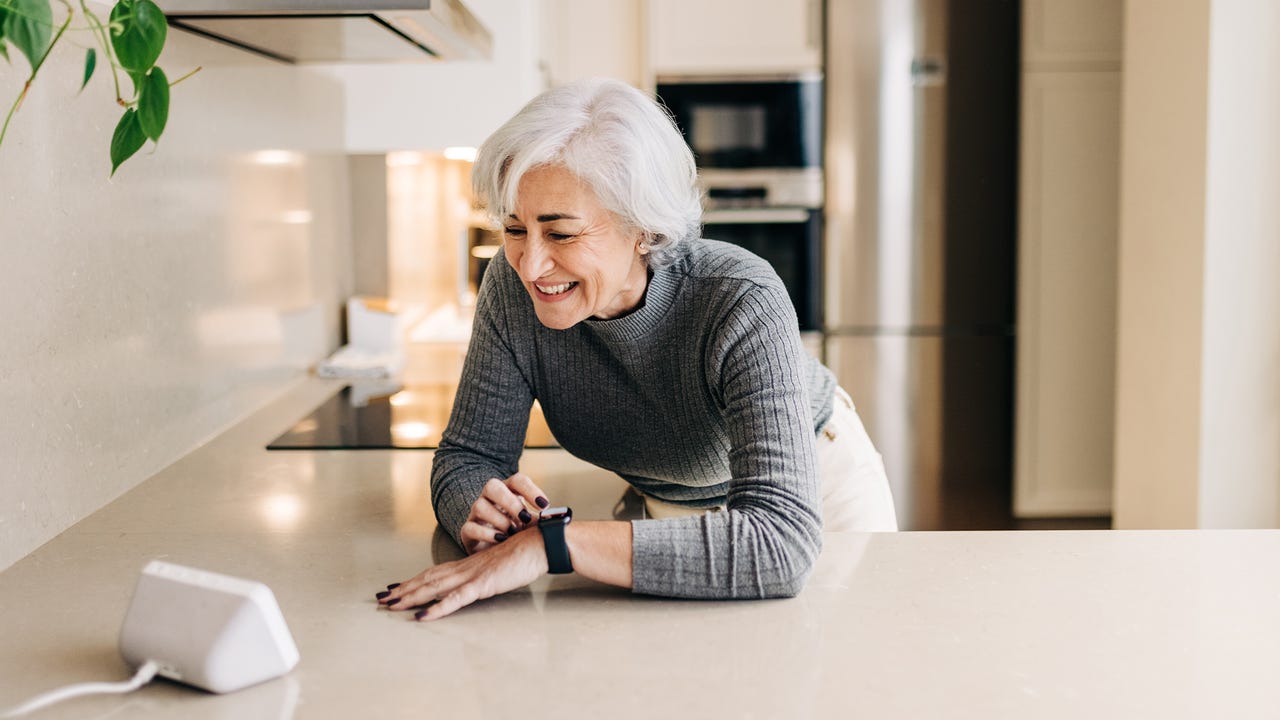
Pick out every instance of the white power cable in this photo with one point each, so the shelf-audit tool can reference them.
(144, 675)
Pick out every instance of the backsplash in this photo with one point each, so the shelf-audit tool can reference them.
(145, 313)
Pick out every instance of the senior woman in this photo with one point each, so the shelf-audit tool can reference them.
(671, 360)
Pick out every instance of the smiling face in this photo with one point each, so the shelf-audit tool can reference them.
(573, 256)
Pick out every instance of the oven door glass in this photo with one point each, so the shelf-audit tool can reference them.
(749, 124)
(789, 239)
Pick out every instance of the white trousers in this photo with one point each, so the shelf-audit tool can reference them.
(855, 488)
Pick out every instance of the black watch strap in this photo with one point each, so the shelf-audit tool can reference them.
(552, 523)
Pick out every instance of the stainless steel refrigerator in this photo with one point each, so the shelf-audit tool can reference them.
(919, 253)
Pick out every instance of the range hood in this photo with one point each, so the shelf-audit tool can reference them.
(326, 31)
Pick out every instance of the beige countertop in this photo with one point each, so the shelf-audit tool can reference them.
(962, 624)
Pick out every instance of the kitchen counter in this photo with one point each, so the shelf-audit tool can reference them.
(962, 624)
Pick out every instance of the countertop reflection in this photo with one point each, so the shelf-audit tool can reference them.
(965, 624)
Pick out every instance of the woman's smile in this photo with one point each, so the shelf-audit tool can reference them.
(554, 293)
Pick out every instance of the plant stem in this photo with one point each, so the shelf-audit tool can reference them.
(184, 77)
(35, 69)
(58, 36)
(12, 110)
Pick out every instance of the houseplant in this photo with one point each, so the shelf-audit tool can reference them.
(130, 41)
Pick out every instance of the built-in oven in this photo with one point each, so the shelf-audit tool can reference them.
(787, 235)
(789, 239)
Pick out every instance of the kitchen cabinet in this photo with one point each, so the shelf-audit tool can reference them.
(1068, 239)
(589, 38)
(699, 37)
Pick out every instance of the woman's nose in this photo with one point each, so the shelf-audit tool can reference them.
(536, 260)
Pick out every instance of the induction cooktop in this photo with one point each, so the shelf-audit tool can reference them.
(382, 417)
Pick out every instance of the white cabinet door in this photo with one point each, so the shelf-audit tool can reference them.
(594, 38)
(1067, 256)
(1068, 236)
(690, 37)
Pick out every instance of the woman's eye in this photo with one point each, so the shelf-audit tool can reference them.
(559, 236)
(514, 231)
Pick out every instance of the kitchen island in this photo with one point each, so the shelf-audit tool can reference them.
(958, 624)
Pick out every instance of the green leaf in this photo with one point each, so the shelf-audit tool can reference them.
(90, 62)
(142, 33)
(127, 140)
(29, 25)
(4, 11)
(153, 103)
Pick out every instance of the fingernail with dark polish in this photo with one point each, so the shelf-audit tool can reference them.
(420, 614)
(499, 537)
(382, 595)
(393, 586)
(393, 602)
(511, 531)
(525, 517)
(542, 502)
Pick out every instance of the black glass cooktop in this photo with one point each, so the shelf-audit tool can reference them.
(381, 417)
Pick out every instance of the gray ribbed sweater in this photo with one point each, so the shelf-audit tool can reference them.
(702, 395)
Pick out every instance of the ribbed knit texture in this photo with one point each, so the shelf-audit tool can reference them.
(702, 396)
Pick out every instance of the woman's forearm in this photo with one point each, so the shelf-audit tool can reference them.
(601, 550)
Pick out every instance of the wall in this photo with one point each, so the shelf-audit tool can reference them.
(145, 313)
(1240, 365)
(370, 268)
(428, 210)
(1198, 377)
(1161, 263)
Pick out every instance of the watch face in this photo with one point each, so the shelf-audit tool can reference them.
(555, 513)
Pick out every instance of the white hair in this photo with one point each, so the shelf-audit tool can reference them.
(614, 138)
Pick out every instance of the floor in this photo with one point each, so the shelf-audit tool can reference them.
(989, 506)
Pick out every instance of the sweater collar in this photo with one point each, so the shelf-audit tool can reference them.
(659, 296)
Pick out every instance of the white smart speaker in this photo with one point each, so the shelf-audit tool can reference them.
(213, 631)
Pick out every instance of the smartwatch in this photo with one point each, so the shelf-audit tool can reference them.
(552, 523)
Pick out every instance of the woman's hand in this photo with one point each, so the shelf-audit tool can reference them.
(453, 585)
(502, 510)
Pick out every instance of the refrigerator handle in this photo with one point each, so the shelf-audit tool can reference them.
(928, 72)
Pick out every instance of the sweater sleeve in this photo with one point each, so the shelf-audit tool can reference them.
(767, 541)
(490, 415)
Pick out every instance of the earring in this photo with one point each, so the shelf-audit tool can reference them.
(644, 248)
